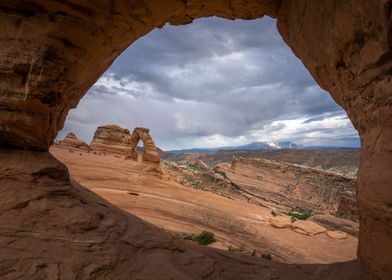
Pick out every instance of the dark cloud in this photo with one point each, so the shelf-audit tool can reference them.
(212, 82)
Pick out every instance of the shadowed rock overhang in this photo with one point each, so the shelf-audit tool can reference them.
(52, 52)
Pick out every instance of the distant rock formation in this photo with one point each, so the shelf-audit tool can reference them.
(72, 141)
(112, 139)
(150, 151)
(287, 187)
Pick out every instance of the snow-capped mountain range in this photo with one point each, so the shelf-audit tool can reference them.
(255, 146)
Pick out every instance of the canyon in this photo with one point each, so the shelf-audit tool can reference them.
(52, 52)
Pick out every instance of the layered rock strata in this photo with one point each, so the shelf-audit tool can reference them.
(72, 141)
(52, 52)
(112, 139)
(150, 151)
(52, 228)
(287, 187)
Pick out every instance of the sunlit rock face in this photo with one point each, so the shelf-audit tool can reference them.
(150, 151)
(115, 140)
(53, 51)
(283, 186)
(72, 141)
(112, 139)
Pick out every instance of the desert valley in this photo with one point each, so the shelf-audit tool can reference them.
(261, 207)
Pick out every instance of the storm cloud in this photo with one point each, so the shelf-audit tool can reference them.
(213, 83)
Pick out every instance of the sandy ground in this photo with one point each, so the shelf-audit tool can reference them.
(169, 205)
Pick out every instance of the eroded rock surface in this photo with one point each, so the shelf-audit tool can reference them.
(287, 187)
(96, 240)
(150, 151)
(337, 234)
(336, 224)
(112, 139)
(53, 51)
(72, 141)
(343, 161)
(307, 227)
(281, 222)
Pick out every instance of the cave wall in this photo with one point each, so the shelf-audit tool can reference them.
(345, 46)
(53, 51)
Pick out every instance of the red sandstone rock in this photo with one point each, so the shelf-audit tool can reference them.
(53, 51)
(112, 139)
(285, 186)
(337, 234)
(71, 141)
(336, 224)
(280, 222)
(52, 227)
(150, 152)
(307, 227)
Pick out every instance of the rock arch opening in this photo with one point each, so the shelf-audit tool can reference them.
(292, 193)
(43, 74)
(149, 153)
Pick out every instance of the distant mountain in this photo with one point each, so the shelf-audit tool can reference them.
(258, 146)
(269, 146)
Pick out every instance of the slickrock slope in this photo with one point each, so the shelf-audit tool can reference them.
(112, 139)
(52, 52)
(288, 187)
(198, 175)
(176, 208)
(96, 240)
(71, 141)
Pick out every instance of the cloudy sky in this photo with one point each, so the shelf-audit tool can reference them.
(213, 83)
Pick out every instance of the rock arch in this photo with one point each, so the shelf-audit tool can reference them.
(150, 152)
(53, 51)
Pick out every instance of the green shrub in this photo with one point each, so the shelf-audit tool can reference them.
(235, 249)
(205, 238)
(266, 256)
(299, 215)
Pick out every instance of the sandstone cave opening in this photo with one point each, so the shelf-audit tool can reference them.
(309, 190)
(52, 52)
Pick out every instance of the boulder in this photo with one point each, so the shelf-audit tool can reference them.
(280, 221)
(307, 227)
(334, 234)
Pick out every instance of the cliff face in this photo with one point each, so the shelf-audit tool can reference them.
(52, 52)
(287, 187)
(112, 139)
